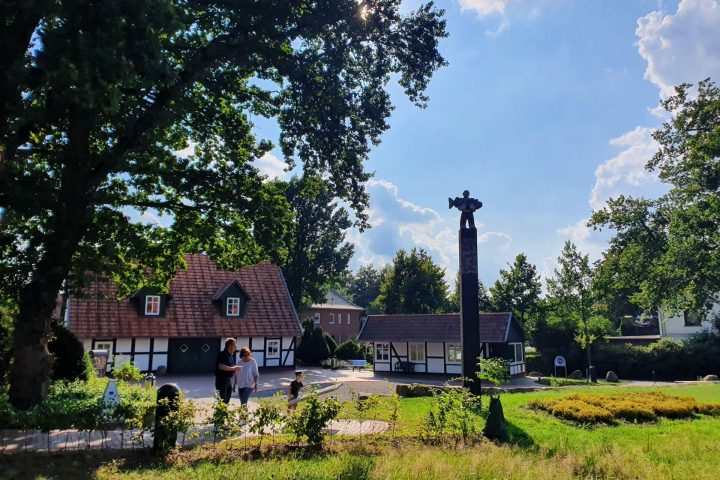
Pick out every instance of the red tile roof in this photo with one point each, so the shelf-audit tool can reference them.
(494, 328)
(191, 311)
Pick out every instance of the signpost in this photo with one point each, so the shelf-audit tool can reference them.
(560, 363)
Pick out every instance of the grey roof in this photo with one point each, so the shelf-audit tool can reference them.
(336, 301)
(494, 328)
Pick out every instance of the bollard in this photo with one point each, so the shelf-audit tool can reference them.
(163, 440)
(593, 374)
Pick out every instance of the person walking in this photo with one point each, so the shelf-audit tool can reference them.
(246, 379)
(225, 368)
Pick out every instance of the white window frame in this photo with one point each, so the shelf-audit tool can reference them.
(152, 300)
(518, 347)
(453, 353)
(383, 348)
(268, 348)
(332, 319)
(235, 303)
(317, 318)
(416, 352)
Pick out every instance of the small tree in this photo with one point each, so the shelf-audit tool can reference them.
(310, 421)
(497, 372)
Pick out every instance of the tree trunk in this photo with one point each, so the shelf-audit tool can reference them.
(32, 363)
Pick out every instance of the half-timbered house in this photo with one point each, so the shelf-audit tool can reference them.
(184, 329)
(431, 343)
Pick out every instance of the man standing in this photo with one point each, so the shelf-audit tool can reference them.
(225, 368)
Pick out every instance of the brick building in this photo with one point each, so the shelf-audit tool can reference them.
(339, 317)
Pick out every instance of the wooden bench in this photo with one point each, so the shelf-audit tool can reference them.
(359, 364)
(407, 367)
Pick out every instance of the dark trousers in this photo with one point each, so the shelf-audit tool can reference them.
(224, 387)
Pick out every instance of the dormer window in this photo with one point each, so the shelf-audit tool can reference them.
(152, 305)
(233, 307)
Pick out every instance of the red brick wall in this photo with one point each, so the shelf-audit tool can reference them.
(340, 331)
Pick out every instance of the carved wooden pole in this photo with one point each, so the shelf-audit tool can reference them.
(469, 308)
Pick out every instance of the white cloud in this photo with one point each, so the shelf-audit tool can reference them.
(484, 8)
(625, 172)
(681, 47)
(271, 166)
(399, 223)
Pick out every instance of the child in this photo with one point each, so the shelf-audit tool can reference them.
(294, 391)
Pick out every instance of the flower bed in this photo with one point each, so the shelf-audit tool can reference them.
(631, 407)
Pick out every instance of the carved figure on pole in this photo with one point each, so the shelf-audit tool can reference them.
(467, 206)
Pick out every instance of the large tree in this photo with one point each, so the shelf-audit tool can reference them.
(317, 252)
(96, 98)
(678, 235)
(570, 296)
(364, 286)
(414, 284)
(517, 290)
(484, 300)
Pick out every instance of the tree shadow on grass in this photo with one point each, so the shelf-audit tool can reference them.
(79, 464)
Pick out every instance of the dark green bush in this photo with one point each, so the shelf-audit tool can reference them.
(69, 355)
(313, 348)
(350, 349)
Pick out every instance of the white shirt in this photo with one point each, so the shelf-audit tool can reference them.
(245, 378)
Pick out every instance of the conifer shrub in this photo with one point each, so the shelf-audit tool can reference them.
(629, 407)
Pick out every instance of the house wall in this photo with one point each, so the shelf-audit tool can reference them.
(673, 324)
(340, 331)
(150, 353)
(436, 358)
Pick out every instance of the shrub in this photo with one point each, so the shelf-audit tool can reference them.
(69, 355)
(310, 421)
(350, 349)
(313, 348)
(635, 407)
(128, 372)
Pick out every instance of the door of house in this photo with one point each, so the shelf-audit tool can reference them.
(192, 355)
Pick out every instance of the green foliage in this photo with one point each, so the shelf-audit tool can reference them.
(493, 370)
(316, 252)
(78, 405)
(455, 411)
(69, 358)
(310, 421)
(267, 418)
(350, 349)
(89, 134)
(414, 284)
(484, 301)
(517, 290)
(313, 348)
(666, 250)
(666, 359)
(6, 337)
(364, 287)
(127, 372)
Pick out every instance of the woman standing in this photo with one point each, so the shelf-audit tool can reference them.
(246, 379)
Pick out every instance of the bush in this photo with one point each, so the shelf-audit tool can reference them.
(634, 407)
(127, 372)
(69, 359)
(350, 349)
(6, 339)
(310, 421)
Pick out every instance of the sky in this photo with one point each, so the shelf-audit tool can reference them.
(545, 111)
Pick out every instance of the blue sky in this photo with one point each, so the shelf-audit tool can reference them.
(544, 112)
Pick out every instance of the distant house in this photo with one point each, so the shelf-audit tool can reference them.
(184, 329)
(682, 325)
(337, 316)
(431, 343)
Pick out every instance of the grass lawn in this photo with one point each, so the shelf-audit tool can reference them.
(540, 446)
